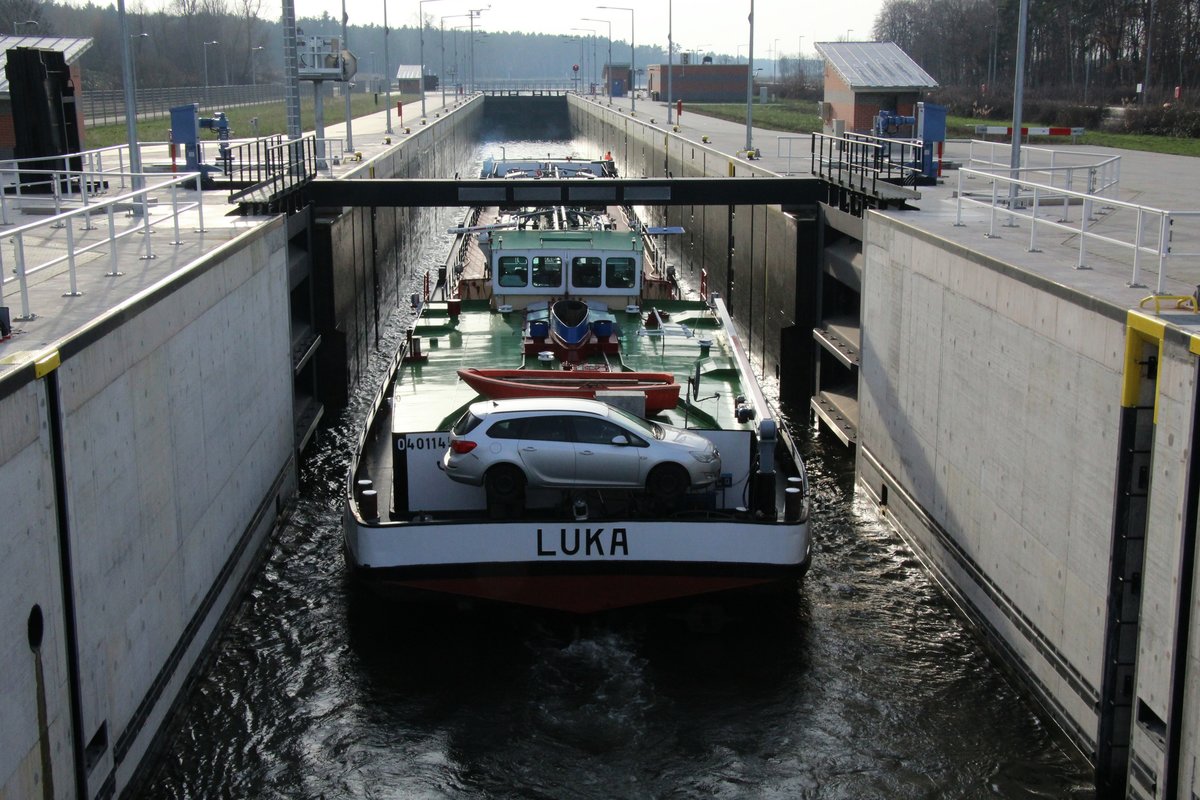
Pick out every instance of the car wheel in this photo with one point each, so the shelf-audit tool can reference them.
(668, 481)
(504, 482)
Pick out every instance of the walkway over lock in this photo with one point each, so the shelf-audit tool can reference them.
(620, 191)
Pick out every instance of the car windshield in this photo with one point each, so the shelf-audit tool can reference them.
(649, 428)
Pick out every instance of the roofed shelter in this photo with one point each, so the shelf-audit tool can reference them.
(864, 78)
(42, 115)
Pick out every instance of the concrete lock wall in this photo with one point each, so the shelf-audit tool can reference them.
(990, 418)
(36, 727)
(176, 453)
(758, 270)
(363, 257)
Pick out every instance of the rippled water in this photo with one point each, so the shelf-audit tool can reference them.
(860, 683)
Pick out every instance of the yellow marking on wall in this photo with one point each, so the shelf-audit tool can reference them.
(46, 363)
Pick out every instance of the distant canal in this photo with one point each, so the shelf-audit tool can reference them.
(864, 684)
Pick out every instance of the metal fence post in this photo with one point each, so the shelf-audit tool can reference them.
(1033, 223)
(1164, 249)
(26, 313)
(175, 212)
(113, 271)
(71, 262)
(1082, 235)
(1137, 249)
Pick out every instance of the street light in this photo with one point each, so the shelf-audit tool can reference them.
(608, 67)
(592, 31)
(670, 56)
(17, 25)
(632, 54)
(442, 47)
(474, 12)
(206, 44)
(387, 68)
(421, 70)
(750, 84)
(253, 75)
(346, 89)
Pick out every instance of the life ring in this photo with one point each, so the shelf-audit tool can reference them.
(537, 173)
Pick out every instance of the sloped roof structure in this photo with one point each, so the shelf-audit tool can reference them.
(875, 65)
(71, 49)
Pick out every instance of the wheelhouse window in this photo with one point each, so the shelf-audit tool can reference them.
(620, 273)
(585, 272)
(514, 271)
(547, 271)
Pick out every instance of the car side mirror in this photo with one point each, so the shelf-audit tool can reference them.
(621, 440)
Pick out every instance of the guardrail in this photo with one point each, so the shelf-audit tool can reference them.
(58, 232)
(1074, 170)
(1157, 224)
(863, 162)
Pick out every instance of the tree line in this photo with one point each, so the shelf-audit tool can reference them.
(245, 44)
(1091, 51)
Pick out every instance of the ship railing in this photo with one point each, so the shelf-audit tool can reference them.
(66, 234)
(1131, 234)
(1075, 170)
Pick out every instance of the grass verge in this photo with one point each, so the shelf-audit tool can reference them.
(272, 119)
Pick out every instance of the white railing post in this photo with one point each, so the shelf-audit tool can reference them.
(175, 212)
(74, 292)
(4, 196)
(121, 165)
(26, 313)
(199, 202)
(57, 201)
(991, 234)
(114, 271)
(83, 194)
(958, 223)
(1137, 249)
(1033, 221)
(146, 232)
(1082, 234)
(1164, 248)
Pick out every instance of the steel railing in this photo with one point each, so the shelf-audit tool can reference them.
(1167, 240)
(68, 234)
(1075, 170)
(863, 162)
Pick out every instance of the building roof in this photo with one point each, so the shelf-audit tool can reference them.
(875, 65)
(71, 49)
(408, 72)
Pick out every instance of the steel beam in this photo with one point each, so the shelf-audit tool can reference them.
(379, 192)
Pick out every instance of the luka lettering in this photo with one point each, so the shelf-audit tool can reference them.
(582, 542)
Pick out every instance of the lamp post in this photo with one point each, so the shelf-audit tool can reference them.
(206, 44)
(632, 53)
(608, 67)
(387, 68)
(750, 84)
(670, 57)
(130, 76)
(253, 72)
(349, 116)
(421, 69)
(17, 25)
(593, 33)
(474, 12)
(442, 47)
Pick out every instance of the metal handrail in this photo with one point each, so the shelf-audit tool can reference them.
(851, 159)
(65, 221)
(1102, 172)
(1149, 220)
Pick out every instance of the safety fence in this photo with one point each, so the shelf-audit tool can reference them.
(1092, 173)
(1130, 234)
(107, 106)
(865, 162)
(69, 237)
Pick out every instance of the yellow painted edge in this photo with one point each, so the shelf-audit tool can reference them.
(1142, 329)
(1194, 344)
(46, 363)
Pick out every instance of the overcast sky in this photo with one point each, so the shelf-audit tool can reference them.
(699, 25)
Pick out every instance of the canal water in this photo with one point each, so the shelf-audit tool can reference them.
(863, 682)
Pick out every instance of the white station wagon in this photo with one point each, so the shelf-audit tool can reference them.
(508, 445)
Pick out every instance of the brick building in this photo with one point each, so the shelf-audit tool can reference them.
(700, 83)
(71, 50)
(864, 78)
(619, 78)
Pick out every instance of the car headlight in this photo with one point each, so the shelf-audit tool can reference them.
(704, 456)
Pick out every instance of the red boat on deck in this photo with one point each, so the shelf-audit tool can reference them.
(660, 388)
